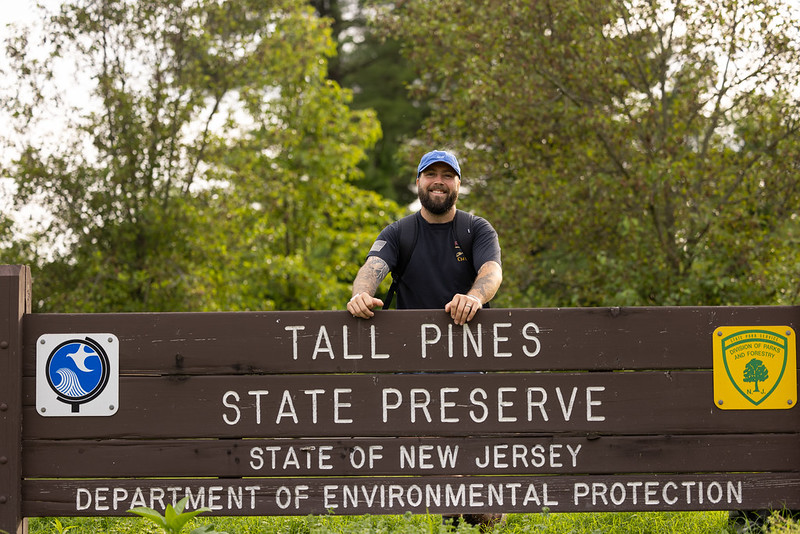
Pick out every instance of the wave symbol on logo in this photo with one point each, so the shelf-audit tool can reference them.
(69, 384)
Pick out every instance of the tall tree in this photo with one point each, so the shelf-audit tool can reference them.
(207, 129)
(371, 66)
(629, 152)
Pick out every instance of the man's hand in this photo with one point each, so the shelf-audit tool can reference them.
(463, 307)
(362, 304)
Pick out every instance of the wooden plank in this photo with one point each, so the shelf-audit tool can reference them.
(15, 301)
(422, 340)
(406, 456)
(351, 496)
(679, 402)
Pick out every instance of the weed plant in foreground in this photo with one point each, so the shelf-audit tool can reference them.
(616, 523)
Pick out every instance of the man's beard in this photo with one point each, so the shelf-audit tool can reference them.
(435, 205)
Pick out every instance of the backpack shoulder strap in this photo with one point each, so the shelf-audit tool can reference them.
(462, 228)
(407, 236)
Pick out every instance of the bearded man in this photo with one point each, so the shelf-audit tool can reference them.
(452, 261)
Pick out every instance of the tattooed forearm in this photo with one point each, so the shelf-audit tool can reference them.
(370, 276)
(488, 281)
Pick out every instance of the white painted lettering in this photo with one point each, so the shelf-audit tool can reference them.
(530, 337)
(540, 403)
(338, 405)
(283, 497)
(420, 404)
(235, 498)
(157, 496)
(227, 404)
(138, 498)
(564, 409)
(590, 402)
(385, 401)
(256, 458)
(213, 497)
(286, 409)
(500, 339)
(121, 495)
(502, 403)
(345, 352)
(374, 354)
(555, 455)
(425, 340)
(294, 330)
(650, 493)
(444, 404)
(475, 341)
(668, 498)
(478, 403)
(258, 394)
(314, 404)
(324, 456)
(425, 456)
(83, 499)
(100, 496)
(323, 339)
(531, 496)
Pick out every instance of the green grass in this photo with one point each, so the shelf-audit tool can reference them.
(623, 523)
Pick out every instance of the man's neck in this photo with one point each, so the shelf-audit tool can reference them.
(433, 218)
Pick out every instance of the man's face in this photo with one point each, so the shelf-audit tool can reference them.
(437, 187)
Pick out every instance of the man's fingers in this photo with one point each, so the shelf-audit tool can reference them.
(462, 308)
(361, 305)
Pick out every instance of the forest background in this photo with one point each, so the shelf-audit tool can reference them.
(242, 155)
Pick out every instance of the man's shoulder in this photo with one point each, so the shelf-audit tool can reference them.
(397, 225)
(476, 222)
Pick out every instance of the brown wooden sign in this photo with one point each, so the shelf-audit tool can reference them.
(261, 413)
(444, 404)
(376, 495)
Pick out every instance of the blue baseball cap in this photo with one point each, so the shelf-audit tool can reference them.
(437, 156)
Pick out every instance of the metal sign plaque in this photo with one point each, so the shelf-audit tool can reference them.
(77, 375)
(755, 368)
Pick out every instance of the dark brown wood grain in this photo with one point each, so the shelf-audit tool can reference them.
(676, 402)
(513, 454)
(380, 495)
(15, 293)
(269, 342)
(291, 413)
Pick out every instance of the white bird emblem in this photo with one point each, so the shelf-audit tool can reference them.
(80, 358)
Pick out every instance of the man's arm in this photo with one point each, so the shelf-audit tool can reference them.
(464, 307)
(369, 277)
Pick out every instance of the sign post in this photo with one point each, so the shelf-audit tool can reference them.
(15, 301)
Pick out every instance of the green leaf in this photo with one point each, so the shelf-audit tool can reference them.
(149, 513)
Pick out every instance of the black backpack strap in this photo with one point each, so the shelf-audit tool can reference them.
(407, 236)
(462, 228)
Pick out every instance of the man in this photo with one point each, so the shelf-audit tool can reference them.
(437, 274)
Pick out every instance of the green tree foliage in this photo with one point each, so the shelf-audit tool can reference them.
(755, 371)
(208, 166)
(372, 67)
(628, 152)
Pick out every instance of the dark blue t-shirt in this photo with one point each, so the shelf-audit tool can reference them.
(437, 269)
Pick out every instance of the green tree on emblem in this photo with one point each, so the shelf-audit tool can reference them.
(755, 371)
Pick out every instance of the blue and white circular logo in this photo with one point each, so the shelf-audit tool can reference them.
(75, 370)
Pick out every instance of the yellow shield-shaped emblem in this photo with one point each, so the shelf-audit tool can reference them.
(755, 368)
